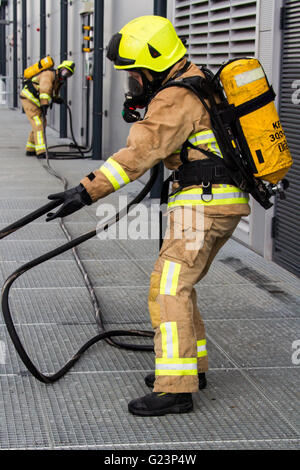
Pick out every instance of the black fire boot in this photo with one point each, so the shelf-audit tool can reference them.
(30, 154)
(158, 404)
(41, 155)
(150, 378)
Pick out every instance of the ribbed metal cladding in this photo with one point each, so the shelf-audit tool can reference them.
(216, 31)
(287, 233)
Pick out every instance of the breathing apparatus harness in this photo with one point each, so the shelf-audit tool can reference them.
(236, 167)
(59, 154)
(233, 168)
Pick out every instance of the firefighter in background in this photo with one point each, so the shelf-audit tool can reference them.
(149, 49)
(37, 95)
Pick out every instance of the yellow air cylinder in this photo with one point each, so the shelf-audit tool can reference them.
(40, 66)
(244, 80)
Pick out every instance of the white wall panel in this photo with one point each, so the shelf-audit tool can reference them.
(217, 31)
(117, 14)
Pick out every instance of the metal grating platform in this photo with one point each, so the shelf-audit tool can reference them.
(251, 309)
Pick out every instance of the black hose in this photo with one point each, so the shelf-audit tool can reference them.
(57, 251)
(60, 155)
(28, 218)
(86, 278)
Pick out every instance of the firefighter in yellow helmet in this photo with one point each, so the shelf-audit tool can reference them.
(37, 95)
(149, 49)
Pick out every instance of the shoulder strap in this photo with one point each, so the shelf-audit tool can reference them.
(203, 88)
(200, 86)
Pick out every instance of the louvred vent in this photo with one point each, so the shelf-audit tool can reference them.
(215, 30)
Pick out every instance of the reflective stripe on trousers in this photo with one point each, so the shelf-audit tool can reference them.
(40, 142)
(37, 121)
(30, 145)
(169, 278)
(170, 363)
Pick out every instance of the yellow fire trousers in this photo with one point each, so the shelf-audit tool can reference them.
(36, 139)
(185, 257)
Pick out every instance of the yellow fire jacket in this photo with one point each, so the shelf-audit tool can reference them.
(174, 115)
(46, 84)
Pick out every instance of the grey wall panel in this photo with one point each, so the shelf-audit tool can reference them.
(117, 14)
(215, 33)
(33, 18)
(53, 49)
(270, 58)
(75, 54)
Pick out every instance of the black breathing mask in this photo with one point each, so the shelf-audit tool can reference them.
(134, 87)
(139, 96)
(63, 74)
(134, 98)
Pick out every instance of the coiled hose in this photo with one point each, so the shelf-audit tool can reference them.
(61, 155)
(71, 244)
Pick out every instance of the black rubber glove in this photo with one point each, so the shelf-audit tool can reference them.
(72, 200)
(44, 108)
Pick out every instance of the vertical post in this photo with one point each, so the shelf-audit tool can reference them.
(15, 55)
(24, 37)
(98, 78)
(2, 40)
(24, 34)
(63, 127)
(42, 28)
(160, 9)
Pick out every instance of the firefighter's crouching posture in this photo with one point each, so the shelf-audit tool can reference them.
(36, 97)
(150, 50)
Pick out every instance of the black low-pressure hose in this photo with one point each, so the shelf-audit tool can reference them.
(47, 256)
(57, 251)
(88, 284)
(61, 155)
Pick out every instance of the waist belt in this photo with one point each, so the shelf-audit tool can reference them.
(196, 173)
(205, 172)
(202, 172)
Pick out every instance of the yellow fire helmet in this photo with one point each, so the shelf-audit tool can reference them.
(148, 42)
(67, 64)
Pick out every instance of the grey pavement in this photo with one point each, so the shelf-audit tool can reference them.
(250, 306)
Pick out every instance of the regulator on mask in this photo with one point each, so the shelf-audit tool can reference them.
(129, 112)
